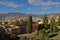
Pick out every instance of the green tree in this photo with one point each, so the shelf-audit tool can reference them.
(59, 19)
(29, 25)
(45, 21)
(16, 23)
(12, 23)
(21, 38)
(53, 25)
(44, 36)
(41, 35)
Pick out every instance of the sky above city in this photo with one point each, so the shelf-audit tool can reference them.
(30, 6)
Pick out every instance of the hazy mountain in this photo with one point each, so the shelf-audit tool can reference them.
(22, 14)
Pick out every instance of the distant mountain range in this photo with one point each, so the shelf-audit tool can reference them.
(23, 14)
(17, 14)
(3, 16)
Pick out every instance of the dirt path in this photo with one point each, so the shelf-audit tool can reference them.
(27, 35)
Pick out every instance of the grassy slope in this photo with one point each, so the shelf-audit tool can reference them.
(57, 37)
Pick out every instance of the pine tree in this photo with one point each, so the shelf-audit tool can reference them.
(45, 21)
(44, 35)
(21, 38)
(29, 25)
(41, 35)
(53, 25)
(59, 19)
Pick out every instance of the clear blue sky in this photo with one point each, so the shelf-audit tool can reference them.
(30, 6)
